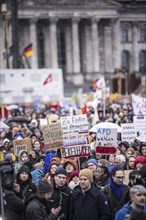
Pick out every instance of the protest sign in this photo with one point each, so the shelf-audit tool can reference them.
(77, 151)
(106, 140)
(74, 123)
(53, 136)
(138, 104)
(22, 144)
(140, 124)
(129, 133)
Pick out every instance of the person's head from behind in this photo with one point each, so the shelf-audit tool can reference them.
(45, 189)
(138, 196)
(134, 177)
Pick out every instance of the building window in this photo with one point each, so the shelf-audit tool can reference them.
(61, 46)
(40, 43)
(124, 36)
(142, 61)
(125, 60)
(143, 35)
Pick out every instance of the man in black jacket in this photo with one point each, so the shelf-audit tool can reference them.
(61, 193)
(37, 208)
(88, 202)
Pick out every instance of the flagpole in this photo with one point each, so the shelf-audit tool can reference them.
(28, 64)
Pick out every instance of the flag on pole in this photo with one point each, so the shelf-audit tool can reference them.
(28, 52)
(10, 52)
(48, 79)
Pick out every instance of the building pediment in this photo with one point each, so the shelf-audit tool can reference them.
(69, 4)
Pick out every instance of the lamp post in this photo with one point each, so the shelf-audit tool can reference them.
(5, 27)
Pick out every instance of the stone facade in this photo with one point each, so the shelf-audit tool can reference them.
(84, 37)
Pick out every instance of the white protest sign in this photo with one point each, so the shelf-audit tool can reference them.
(129, 133)
(77, 151)
(106, 137)
(140, 124)
(71, 138)
(74, 123)
(139, 104)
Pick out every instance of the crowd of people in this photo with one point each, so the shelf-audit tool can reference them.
(47, 186)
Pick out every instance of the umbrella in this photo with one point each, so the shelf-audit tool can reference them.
(142, 138)
(12, 107)
(3, 125)
(19, 118)
(105, 125)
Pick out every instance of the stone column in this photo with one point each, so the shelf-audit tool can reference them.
(69, 66)
(33, 40)
(95, 45)
(116, 52)
(53, 42)
(135, 54)
(108, 49)
(47, 46)
(77, 77)
(2, 47)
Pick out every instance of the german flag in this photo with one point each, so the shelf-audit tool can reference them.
(28, 52)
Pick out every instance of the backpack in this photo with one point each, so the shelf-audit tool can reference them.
(7, 174)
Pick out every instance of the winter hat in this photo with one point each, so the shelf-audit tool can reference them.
(6, 140)
(44, 186)
(74, 173)
(87, 173)
(24, 168)
(56, 159)
(19, 134)
(8, 156)
(142, 145)
(92, 161)
(139, 159)
(60, 170)
(125, 143)
(73, 162)
(36, 130)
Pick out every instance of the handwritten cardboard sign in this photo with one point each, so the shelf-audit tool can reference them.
(22, 144)
(53, 136)
(128, 132)
(139, 104)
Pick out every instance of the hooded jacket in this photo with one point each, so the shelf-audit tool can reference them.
(126, 209)
(89, 205)
(27, 188)
(75, 165)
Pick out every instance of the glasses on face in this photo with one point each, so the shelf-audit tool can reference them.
(120, 177)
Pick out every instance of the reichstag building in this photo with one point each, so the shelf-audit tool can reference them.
(86, 38)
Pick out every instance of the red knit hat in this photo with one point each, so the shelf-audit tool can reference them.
(139, 159)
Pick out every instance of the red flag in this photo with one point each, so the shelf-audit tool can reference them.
(48, 79)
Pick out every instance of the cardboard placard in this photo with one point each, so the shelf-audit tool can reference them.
(53, 136)
(22, 144)
(140, 124)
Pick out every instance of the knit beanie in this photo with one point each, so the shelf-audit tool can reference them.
(60, 170)
(92, 161)
(87, 173)
(44, 186)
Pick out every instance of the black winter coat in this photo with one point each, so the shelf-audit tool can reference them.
(37, 210)
(61, 197)
(14, 207)
(90, 205)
